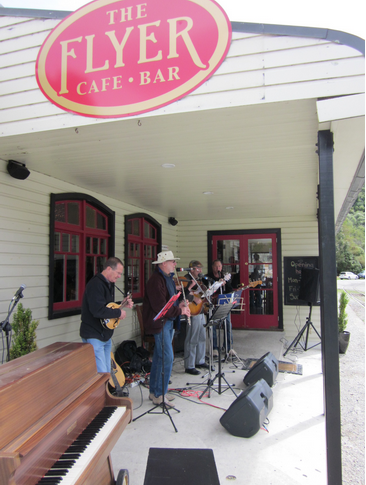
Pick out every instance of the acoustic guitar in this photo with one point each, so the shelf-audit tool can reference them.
(113, 323)
(195, 307)
(117, 379)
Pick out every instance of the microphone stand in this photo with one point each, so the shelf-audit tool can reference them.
(5, 325)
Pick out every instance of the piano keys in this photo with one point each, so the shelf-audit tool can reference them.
(51, 399)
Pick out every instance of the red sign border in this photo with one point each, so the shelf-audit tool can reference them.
(224, 27)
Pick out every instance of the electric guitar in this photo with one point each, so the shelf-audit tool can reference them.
(252, 284)
(117, 379)
(113, 323)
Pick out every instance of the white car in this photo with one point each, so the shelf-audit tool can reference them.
(348, 275)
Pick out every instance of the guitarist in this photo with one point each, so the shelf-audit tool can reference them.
(216, 274)
(98, 293)
(195, 341)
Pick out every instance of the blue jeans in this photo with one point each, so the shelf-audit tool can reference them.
(102, 352)
(156, 378)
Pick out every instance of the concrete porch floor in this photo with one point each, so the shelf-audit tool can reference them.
(292, 448)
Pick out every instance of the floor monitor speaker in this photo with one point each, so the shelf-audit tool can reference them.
(265, 368)
(248, 412)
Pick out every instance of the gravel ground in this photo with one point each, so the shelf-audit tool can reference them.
(352, 379)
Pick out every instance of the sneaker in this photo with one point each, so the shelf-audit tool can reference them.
(159, 400)
(215, 353)
(169, 397)
(203, 366)
(193, 371)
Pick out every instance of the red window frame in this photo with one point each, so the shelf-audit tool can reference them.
(78, 249)
(142, 244)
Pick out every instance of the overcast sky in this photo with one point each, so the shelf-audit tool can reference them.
(344, 15)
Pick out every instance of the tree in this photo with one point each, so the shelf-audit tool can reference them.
(350, 241)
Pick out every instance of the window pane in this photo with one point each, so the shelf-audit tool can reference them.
(103, 246)
(88, 245)
(90, 217)
(73, 213)
(100, 263)
(148, 270)
(65, 243)
(60, 212)
(146, 229)
(74, 243)
(57, 241)
(72, 278)
(101, 221)
(89, 268)
(58, 278)
(95, 245)
(136, 227)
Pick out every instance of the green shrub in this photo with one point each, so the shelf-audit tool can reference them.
(342, 315)
(24, 333)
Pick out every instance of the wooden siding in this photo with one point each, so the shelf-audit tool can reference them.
(258, 69)
(24, 251)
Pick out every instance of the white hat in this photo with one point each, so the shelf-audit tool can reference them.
(165, 256)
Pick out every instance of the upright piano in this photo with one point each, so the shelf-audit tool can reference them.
(58, 419)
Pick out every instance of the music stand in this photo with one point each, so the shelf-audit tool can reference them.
(219, 315)
(163, 405)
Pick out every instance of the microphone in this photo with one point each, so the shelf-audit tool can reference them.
(210, 280)
(183, 269)
(19, 292)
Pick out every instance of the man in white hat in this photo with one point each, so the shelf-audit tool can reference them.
(159, 289)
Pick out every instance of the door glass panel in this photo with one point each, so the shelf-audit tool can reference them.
(260, 302)
(228, 251)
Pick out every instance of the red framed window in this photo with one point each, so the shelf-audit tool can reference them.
(143, 242)
(80, 244)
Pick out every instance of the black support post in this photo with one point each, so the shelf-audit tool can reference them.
(328, 313)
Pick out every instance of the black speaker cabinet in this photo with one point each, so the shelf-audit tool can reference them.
(17, 170)
(309, 286)
(248, 412)
(265, 368)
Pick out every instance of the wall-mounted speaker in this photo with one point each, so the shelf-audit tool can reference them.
(309, 286)
(248, 412)
(172, 221)
(17, 170)
(265, 368)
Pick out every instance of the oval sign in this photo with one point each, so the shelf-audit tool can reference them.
(115, 58)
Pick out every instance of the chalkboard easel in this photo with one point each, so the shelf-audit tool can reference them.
(292, 277)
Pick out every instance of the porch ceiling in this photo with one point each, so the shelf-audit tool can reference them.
(260, 160)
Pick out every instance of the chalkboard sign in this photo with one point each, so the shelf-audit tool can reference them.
(292, 276)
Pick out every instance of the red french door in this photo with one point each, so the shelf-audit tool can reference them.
(251, 259)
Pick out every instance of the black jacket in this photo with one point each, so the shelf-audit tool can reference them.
(98, 293)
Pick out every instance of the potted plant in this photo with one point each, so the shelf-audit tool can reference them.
(24, 333)
(343, 335)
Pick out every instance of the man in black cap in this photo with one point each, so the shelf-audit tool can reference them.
(195, 341)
